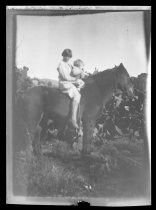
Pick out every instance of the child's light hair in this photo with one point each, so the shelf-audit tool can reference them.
(78, 63)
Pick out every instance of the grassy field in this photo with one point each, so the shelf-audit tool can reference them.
(116, 169)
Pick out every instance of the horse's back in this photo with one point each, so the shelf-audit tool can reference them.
(56, 102)
(50, 100)
(30, 105)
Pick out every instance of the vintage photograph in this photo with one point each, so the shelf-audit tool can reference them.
(78, 91)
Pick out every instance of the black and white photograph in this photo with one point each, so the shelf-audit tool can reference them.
(78, 105)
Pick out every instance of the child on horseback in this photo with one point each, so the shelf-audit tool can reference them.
(70, 83)
(79, 73)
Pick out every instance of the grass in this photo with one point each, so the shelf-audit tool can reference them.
(57, 173)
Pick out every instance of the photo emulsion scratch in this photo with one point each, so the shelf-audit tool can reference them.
(80, 101)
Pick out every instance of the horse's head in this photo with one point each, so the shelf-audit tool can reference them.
(124, 82)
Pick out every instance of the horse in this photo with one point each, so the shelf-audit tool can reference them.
(42, 100)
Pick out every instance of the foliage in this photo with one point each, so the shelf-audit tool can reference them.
(22, 81)
(122, 116)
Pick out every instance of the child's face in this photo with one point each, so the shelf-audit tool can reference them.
(66, 58)
(81, 66)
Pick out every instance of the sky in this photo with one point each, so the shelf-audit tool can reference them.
(100, 40)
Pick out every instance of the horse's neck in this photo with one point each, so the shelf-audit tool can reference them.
(106, 82)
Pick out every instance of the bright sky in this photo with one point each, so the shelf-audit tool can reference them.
(100, 40)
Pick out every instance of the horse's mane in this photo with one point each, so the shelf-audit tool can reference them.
(100, 75)
(103, 72)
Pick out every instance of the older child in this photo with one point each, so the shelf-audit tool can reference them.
(67, 85)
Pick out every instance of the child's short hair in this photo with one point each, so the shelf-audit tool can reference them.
(67, 52)
(78, 63)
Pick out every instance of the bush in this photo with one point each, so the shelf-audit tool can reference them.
(22, 81)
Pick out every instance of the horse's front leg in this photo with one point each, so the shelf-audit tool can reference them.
(88, 127)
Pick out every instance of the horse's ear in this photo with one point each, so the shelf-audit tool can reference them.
(120, 69)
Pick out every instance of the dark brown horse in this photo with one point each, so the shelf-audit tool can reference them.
(97, 92)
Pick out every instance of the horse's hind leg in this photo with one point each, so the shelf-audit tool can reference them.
(33, 143)
(44, 125)
(36, 144)
(34, 130)
(29, 148)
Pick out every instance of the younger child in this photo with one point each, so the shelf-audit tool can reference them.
(78, 72)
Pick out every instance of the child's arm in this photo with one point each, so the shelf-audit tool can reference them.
(64, 74)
